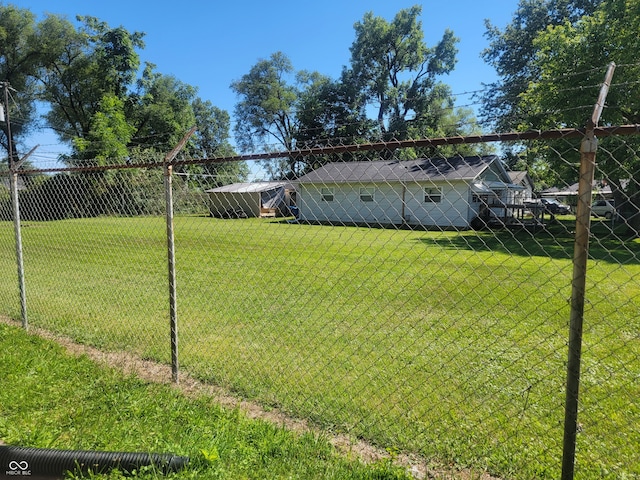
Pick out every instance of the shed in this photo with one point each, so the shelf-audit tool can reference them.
(431, 192)
(255, 199)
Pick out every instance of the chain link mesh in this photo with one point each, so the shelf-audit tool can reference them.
(421, 305)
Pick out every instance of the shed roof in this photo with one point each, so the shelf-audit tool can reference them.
(431, 169)
(250, 187)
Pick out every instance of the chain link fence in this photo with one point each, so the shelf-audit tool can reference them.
(399, 294)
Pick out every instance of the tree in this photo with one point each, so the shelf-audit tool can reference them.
(330, 112)
(392, 71)
(88, 78)
(397, 72)
(212, 140)
(512, 52)
(109, 132)
(572, 60)
(265, 114)
(160, 110)
(20, 57)
(212, 136)
(84, 69)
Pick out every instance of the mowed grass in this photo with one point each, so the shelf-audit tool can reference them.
(49, 399)
(448, 344)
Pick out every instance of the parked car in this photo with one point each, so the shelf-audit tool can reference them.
(603, 208)
(555, 207)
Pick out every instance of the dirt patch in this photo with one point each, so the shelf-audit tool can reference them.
(128, 363)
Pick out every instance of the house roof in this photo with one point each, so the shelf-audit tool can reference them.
(431, 169)
(521, 177)
(250, 187)
(573, 190)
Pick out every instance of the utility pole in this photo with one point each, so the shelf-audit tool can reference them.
(6, 86)
(13, 180)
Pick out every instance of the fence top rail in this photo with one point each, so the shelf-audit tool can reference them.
(562, 133)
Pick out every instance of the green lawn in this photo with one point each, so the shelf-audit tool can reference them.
(49, 399)
(448, 344)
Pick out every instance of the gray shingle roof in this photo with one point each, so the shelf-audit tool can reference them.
(432, 169)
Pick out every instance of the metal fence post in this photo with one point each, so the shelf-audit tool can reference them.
(588, 149)
(171, 254)
(171, 259)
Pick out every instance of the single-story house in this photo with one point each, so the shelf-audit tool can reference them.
(256, 199)
(430, 192)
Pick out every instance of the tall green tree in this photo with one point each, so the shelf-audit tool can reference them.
(160, 110)
(572, 59)
(109, 134)
(265, 113)
(211, 140)
(392, 72)
(20, 58)
(329, 113)
(398, 73)
(512, 52)
(212, 137)
(87, 67)
(87, 75)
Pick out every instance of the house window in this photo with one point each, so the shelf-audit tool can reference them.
(366, 194)
(327, 194)
(432, 195)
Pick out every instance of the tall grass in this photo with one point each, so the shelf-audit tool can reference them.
(449, 344)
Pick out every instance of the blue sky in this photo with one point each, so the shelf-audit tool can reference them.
(209, 44)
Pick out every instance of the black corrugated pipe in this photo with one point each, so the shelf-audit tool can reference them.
(43, 463)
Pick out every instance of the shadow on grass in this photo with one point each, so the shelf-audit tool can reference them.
(556, 241)
(610, 243)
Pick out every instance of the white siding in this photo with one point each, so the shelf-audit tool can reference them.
(347, 205)
(454, 209)
(312, 207)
